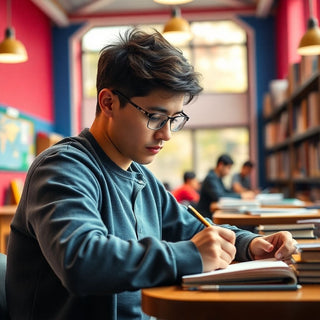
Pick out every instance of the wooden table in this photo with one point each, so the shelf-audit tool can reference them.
(6, 215)
(173, 303)
(240, 219)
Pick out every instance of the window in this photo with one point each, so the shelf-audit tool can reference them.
(218, 51)
(198, 150)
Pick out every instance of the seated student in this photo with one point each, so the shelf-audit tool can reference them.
(188, 193)
(213, 188)
(241, 181)
(94, 225)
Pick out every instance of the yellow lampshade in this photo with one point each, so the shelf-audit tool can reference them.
(12, 50)
(177, 30)
(310, 42)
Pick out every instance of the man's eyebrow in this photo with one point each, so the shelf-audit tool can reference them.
(160, 109)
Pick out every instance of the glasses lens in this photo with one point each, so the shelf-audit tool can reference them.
(157, 121)
(177, 123)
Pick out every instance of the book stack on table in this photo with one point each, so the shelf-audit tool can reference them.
(298, 230)
(307, 262)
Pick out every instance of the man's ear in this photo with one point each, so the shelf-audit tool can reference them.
(106, 101)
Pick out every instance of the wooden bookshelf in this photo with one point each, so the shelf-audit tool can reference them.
(292, 136)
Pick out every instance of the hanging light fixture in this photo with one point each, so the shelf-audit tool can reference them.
(11, 50)
(177, 30)
(310, 42)
(172, 2)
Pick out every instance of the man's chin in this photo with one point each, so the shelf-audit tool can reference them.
(145, 161)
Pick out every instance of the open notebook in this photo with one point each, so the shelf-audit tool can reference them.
(266, 274)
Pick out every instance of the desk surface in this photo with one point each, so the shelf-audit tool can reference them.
(240, 219)
(173, 303)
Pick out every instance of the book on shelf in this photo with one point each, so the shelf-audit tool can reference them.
(300, 117)
(254, 275)
(298, 231)
(309, 65)
(313, 109)
(313, 151)
(301, 164)
(293, 77)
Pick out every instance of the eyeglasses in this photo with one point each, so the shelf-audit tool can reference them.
(157, 120)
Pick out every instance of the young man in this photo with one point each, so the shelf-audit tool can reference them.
(94, 226)
(213, 187)
(188, 193)
(241, 181)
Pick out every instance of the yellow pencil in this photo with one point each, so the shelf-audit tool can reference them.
(198, 215)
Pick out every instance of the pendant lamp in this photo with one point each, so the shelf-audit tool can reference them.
(11, 50)
(310, 42)
(177, 30)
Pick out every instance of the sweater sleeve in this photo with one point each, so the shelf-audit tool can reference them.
(62, 205)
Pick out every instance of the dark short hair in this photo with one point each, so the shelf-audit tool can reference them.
(225, 159)
(188, 175)
(249, 164)
(141, 62)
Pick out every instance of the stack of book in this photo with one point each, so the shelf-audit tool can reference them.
(237, 205)
(315, 222)
(307, 262)
(298, 230)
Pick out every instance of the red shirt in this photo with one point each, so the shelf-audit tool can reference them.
(186, 193)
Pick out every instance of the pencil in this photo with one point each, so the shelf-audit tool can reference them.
(198, 215)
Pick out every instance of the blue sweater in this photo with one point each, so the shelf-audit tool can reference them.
(88, 235)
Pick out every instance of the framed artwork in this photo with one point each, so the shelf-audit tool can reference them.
(17, 142)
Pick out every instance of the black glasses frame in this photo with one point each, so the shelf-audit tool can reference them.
(151, 116)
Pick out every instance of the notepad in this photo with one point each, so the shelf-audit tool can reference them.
(256, 273)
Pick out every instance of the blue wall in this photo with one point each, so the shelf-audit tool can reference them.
(61, 73)
(265, 51)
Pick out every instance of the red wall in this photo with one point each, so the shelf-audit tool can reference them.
(27, 86)
(291, 24)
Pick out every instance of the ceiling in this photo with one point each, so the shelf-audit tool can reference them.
(62, 12)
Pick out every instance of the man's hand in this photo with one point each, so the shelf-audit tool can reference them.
(248, 195)
(216, 246)
(278, 245)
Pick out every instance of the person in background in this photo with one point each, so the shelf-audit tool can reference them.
(241, 181)
(213, 188)
(188, 193)
(94, 225)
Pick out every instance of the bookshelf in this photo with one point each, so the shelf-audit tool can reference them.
(292, 134)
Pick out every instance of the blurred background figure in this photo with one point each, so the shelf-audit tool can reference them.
(241, 181)
(213, 188)
(188, 193)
